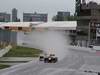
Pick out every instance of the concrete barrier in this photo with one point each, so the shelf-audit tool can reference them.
(5, 50)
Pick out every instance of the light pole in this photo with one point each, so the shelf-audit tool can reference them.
(89, 33)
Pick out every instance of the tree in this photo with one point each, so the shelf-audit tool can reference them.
(65, 18)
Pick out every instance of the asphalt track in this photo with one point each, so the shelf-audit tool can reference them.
(72, 64)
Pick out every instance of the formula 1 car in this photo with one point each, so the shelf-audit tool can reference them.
(49, 58)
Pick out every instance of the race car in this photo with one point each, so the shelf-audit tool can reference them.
(49, 58)
(41, 58)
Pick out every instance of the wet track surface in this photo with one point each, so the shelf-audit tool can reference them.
(70, 65)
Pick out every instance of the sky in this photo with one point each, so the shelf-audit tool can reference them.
(40, 6)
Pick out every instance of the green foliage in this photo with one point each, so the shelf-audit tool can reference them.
(82, 33)
(23, 52)
(66, 18)
(54, 18)
(4, 66)
(71, 18)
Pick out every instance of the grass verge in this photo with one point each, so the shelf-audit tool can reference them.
(2, 66)
(23, 52)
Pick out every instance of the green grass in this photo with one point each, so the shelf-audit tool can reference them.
(2, 66)
(23, 52)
